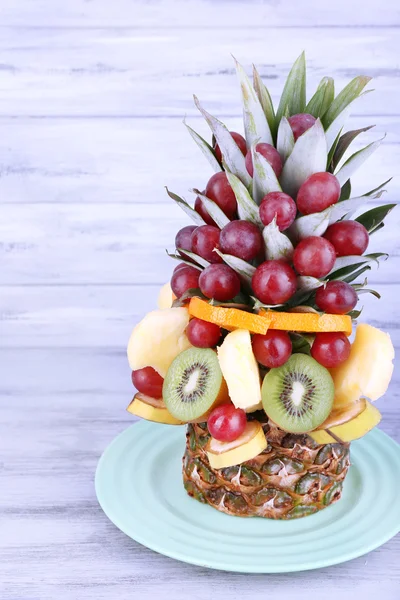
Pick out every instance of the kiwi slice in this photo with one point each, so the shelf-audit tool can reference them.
(298, 396)
(194, 384)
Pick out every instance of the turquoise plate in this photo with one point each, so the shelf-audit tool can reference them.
(139, 486)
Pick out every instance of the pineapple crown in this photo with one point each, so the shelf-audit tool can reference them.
(320, 148)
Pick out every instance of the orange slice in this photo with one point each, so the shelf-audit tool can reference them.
(307, 322)
(228, 318)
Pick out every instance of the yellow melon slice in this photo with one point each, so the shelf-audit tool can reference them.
(245, 447)
(352, 430)
(151, 409)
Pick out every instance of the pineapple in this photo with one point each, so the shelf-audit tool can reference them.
(270, 274)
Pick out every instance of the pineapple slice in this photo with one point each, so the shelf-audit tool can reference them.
(151, 409)
(352, 430)
(158, 339)
(367, 371)
(240, 370)
(165, 297)
(247, 446)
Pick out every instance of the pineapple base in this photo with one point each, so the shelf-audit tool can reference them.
(293, 477)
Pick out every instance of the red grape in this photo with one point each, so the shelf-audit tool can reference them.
(240, 141)
(204, 240)
(201, 209)
(219, 282)
(317, 193)
(330, 349)
(184, 280)
(147, 381)
(272, 156)
(219, 190)
(300, 123)
(274, 282)
(226, 423)
(314, 256)
(280, 205)
(273, 349)
(183, 239)
(242, 239)
(348, 238)
(203, 334)
(180, 266)
(336, 297)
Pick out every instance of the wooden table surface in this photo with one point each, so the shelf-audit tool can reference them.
(92, 95)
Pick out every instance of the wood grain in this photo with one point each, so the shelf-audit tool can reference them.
(91, 103)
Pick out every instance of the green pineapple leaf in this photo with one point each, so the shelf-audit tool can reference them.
(355, 161)
(293, 99)
(186, 208)
(373, 219)
(379, 188)
(213, 210)
(353, 275)
(310, 225)
(247, 208)
(205, 147)
(256, 125)
(265, 101)
(322, 99)
(285, 139)
(344, 142)
(369, 291)
(242, 268)
(346, 191)
(344, 99)
(332, 151)
(305, 283)
(300, 343)
(187, 262)
(354, 314)
(277, 244)
(307, 157)
(264, 178)
(230, 150)
(344, 265)
(346, 208)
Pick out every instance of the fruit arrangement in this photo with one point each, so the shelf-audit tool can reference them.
(250, 346)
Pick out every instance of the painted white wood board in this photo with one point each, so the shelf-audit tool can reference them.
(92, 95)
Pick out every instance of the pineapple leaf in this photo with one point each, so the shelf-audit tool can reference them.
(242, 268)
(336, 128)
(264, 178)
(285, 140)
(344, 99)
(230, 150)
(322, 99)
(332, 150)
(247, 208)
(213, 210)
(369, 291)
(355, 161)
(309, 225)
(306, 283)
(200, 260)
(277, 244)
(190, 293)
(356, 274)
(187, 262)
(379, 188)
(293, 99)
(346, 208)
(307, 157)
(344, 142)
(205, 148)
(300, 345)
(265, 101)
(346, 191)
(373, 219)
(186, 207)
(344, 265)
(354, 314)
(256, 125)
(258, 304)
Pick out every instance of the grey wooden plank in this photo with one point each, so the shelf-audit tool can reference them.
(130, 160)
(103, 316)
(130, 72)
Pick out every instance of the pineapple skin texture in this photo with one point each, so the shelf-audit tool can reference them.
(240, 370)
(293, 477)
(368, 370)
(158, 339)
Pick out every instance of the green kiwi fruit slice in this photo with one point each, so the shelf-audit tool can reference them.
(194, 384)
(298, 396)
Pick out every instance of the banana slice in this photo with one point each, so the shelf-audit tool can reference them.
(247, 446)
(151, 409)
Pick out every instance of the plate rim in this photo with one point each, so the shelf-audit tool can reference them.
(180, 556)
